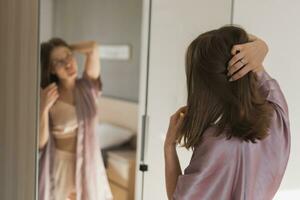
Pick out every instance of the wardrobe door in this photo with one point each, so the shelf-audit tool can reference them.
(174, 24)
(18, 98)
(277, 22)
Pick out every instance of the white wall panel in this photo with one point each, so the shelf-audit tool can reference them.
(174, 25)
(277, 22)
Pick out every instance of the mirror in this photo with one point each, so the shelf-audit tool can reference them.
(90, 79)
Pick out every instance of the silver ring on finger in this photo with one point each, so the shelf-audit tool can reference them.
(243, 62)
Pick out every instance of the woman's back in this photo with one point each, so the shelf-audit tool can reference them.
(236, 169)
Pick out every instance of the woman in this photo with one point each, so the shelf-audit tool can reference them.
(236, 122)
(70, 165)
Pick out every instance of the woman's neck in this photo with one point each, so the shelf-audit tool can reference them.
(67, 84)
(66, 91)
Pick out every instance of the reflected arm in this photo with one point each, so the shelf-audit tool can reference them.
(92, 62)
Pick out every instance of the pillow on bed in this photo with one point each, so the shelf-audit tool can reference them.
(111, 135)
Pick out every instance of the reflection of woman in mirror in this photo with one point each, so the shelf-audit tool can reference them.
(236, 122)
(70, 165)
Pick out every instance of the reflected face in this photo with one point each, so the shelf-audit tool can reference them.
(63, 63)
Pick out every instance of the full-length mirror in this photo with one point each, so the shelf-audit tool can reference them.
(90, 54)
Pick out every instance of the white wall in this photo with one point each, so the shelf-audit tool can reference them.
(174, 25)
(109, 23)
(277, 22)
(46, 19)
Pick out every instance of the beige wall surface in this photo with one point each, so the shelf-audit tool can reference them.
(18, 98)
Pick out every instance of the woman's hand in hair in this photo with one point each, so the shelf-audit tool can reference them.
(247, 57)
(174, 126)
(48, 97)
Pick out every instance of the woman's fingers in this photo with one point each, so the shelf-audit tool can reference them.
(174, 120)
(237, 66)
(50, 87)
(53, 98)
(179, 120)
(175, 123)
(236, 48)
(242, 72)
(47, 91)
(48, 96)
(180, 112)
(247, 57)
(52, 92)
(236, 58)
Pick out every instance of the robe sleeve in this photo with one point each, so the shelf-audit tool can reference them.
(94, 85)
(210, 172)
(272, 92)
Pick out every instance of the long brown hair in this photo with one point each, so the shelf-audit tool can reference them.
(212, 99)
(46, 48)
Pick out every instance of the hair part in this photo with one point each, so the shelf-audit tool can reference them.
(237, 106)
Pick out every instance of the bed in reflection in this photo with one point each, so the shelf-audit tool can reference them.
(116, 132)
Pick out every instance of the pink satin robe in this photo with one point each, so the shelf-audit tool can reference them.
(91, 180)
(223, 169)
